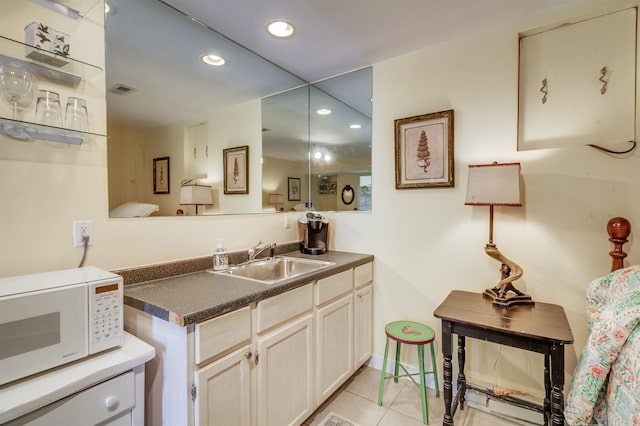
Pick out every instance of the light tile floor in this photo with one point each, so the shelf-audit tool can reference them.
(357, 400)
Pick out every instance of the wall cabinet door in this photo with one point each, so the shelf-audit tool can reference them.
(223, 395)
(334, 342)
(577, 83)
(362, 325)
(285, 374)
(198, 152)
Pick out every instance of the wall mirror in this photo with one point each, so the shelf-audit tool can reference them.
(164, 101)
(321, 134)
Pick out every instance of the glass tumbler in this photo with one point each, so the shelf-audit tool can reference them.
(48, 111)
(76, 117)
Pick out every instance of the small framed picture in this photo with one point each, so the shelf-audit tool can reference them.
(161, 175)
(424, 150)
(236, 170)
(294, 189)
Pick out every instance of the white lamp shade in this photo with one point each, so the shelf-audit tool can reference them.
(195, 194)
(276, 199)
(494, 184)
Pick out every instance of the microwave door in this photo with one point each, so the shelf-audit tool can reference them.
(40, 330)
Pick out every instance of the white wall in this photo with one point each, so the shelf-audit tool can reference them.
(426, 242)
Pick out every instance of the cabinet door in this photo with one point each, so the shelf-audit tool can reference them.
(577, 83)
(285, 374)
(199, 151)
(362, 325)
(223, 393)
(334, 360)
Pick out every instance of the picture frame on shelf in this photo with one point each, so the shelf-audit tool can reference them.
(236, 170)
(293, 193)
(424, 152)
(161, 177)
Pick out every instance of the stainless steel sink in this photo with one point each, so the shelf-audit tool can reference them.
(274, 270)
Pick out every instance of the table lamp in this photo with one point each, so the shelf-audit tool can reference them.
(498, 185)
(276, 199)
(194, 194)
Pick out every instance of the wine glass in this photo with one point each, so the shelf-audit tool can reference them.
(15, 82)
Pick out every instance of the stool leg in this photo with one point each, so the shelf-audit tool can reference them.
(383, 374)
(397, 366)
(435, 370)
(423, 385)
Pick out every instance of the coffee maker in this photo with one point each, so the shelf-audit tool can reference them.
(314, 229)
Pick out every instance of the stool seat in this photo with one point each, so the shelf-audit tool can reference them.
(410, 332)
(416, 334)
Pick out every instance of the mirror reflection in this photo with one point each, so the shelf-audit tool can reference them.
(163, 100)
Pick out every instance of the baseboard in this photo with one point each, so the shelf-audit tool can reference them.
(474, 399)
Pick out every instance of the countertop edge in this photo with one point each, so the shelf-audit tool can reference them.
(343, 261)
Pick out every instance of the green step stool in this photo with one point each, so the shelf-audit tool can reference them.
(411, 333)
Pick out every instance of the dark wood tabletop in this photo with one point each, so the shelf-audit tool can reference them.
(542, 321)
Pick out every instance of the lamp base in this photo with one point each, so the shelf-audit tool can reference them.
(518, 298)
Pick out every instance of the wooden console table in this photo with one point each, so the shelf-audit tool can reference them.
(540, 327)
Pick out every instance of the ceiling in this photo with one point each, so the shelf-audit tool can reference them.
(336, 36)
(159, 59)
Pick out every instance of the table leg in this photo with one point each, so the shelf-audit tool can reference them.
(547, 389)
(557, 384)
(462, 380)
(447, 372)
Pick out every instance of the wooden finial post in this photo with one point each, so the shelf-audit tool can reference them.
(618, 229)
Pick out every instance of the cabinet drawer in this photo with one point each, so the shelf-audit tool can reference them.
(334, 286)
(222, 333)
(363, 274)
(94, 405)
(277, 309)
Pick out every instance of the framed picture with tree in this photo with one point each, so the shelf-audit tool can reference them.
(236, 170)
(424, 150)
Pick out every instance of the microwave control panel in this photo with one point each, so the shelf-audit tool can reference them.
(105, 315)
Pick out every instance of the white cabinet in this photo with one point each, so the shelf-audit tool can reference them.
(285, 374)
(223, 390)
(198, 151)
(362, 325)
(577, 83)
(270, 363)
(362, 314)
(284, 358)
(334, 337)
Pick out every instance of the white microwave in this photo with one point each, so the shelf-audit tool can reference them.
(53, 318)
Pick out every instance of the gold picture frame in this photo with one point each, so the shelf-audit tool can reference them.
(236, 170)
(424, 151)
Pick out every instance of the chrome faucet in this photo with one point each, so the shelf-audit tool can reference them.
(256, 250)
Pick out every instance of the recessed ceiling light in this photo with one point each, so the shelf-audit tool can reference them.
(214, 60)
(317, 155)
(280, 28)
(323, 111)
(355, 126)
(327, 157)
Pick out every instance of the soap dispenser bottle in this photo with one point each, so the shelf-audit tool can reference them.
(220, 258)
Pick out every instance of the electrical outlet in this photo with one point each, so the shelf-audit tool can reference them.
(82, 228)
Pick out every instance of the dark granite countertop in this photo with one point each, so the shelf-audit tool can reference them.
(199, 296)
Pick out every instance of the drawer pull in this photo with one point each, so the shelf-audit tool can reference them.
(112, 403)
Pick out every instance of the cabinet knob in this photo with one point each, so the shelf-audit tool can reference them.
(112, 403)
(248, 355)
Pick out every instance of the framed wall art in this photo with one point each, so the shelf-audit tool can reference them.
(236, 170)
(161, 175)
(424, 150)
(294, 189)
